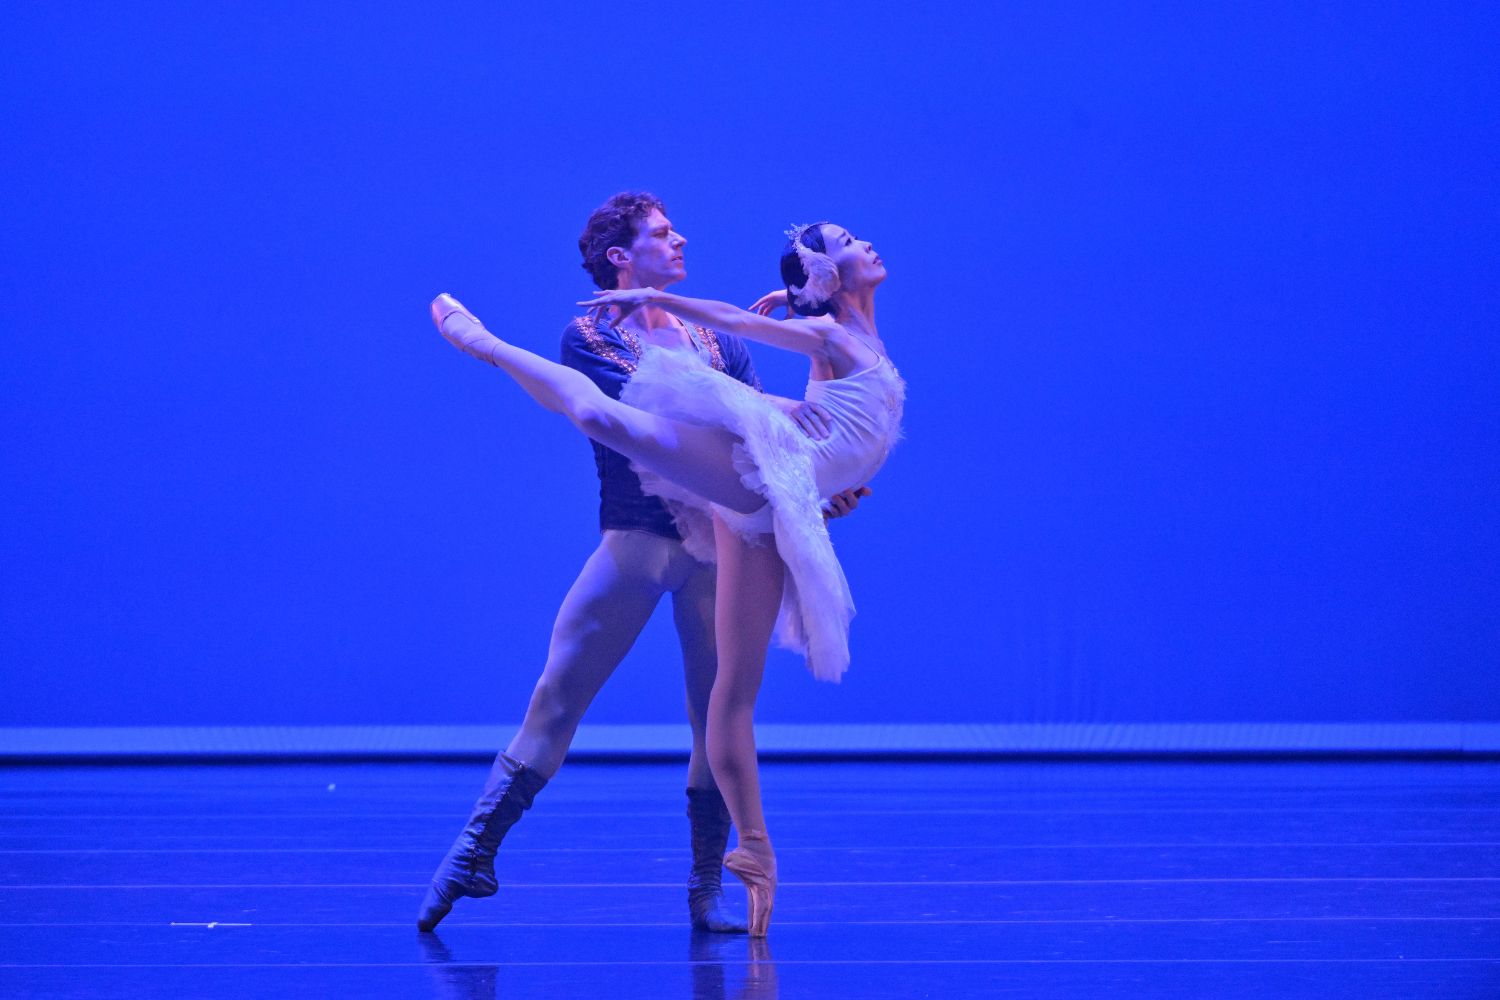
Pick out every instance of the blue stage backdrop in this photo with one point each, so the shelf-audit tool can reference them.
(1197, 304)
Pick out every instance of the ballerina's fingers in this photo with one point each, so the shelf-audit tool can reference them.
(620, 297)
(769, 302)
(600, 300)
(627, 300)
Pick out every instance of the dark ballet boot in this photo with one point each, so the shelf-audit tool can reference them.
(709, 819)
(469, 868)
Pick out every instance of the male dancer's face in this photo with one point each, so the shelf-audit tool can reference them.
(656, 255)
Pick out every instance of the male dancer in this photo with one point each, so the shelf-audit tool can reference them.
(628, 242)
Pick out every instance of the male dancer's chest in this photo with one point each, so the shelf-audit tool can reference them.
(629, 343)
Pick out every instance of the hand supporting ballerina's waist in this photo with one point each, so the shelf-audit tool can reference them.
(844, 503)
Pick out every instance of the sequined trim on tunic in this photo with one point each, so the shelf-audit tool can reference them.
(605, 349)
(716, 353)
(711, 343)
(602, 347)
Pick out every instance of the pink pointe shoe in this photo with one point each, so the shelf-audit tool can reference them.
(462, 328)
(759, 876)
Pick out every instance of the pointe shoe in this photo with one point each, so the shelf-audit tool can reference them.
(709, 823)
(759, 876)
(468, 869)
(464, 332)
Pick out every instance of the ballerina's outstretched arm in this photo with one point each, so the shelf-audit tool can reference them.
(814, 336)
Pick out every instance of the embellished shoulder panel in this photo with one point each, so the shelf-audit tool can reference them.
(710, 342)
(601, 345)
(709, 345)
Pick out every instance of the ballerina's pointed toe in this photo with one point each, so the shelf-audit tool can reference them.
(760, 886)
(462, 328)
(445, 306)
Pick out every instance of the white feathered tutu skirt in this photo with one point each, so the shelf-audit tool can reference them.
(775, 460)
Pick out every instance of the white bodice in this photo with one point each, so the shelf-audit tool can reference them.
(865, 422)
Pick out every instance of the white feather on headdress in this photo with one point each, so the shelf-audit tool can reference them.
(822, 273)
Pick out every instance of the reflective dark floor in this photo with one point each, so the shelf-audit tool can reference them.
(1373, 880)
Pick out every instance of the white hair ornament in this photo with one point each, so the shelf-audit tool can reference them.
(822, 273)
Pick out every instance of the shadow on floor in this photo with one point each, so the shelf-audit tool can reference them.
(725, 967)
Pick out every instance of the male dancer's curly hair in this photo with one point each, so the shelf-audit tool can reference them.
(616, 223)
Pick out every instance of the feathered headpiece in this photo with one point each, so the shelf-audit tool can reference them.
(822, 273)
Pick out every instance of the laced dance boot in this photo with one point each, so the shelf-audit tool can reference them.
(753, 864)
(469, 867)
(709, 822)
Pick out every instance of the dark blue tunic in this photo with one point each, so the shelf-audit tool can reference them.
(608, 355)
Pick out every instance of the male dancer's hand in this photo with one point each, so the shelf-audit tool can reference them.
(812, 418)
(809, 417)
(842, 503)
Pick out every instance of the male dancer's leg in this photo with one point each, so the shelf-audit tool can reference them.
(599, 621)
(693, 615)
(600, 618)
(709, 821)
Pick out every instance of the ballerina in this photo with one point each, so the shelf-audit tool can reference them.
(733, 464)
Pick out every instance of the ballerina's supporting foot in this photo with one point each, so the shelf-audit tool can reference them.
(753, 864)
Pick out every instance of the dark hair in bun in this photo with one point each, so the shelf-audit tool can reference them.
(795, 275)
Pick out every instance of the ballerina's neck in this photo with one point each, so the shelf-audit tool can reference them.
(859, 322)
(856, 308)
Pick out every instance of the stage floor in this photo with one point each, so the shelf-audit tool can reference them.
(1025, 879)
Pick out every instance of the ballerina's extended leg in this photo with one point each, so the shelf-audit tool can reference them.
(699, 458)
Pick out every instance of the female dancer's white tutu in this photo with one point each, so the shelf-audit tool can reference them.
(795, 474)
